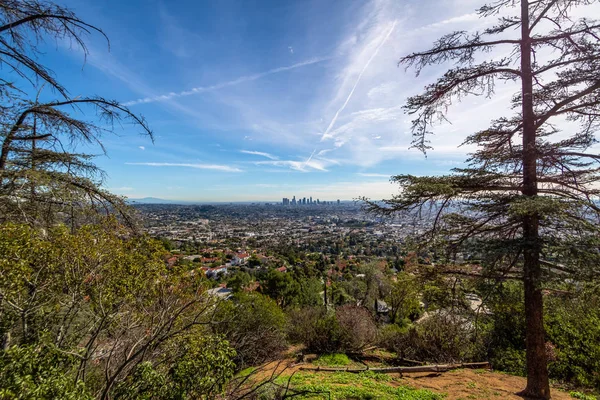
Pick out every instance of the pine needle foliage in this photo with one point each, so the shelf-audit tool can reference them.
(526, 203)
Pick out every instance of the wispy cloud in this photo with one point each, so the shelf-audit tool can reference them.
(373, 175)
(141, 147)
(242, 79)
(381, 43)
(214, 167)
(302, 166)
(260, 153)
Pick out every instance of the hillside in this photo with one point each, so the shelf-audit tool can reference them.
(454, 385)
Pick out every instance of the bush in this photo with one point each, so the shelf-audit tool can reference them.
(390, 336)
(572, 332)
(255, 327)
(441, 337)
(510, 360)
(316, 328)
(38, 372)
(199, 367)
(573, 327)
(348, 329)
(503, 332)
(357, 328)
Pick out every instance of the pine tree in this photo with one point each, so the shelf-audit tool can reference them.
(526, 201)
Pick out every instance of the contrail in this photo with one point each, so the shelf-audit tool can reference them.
(335, 117)
(309, 158)
(242, 79)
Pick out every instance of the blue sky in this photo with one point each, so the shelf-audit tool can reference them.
(258, 100)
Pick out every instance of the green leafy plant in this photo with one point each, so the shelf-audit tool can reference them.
(333, 360)
(200, 368)
(39, 372)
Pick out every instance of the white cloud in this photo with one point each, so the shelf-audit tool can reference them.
(214, 167)
(373, 175)
(237, 81)
(142, 148)
(311, 164)
(379, 43)
(367, 123)
(260, 153)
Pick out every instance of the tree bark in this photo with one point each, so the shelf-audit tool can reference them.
(538, 385)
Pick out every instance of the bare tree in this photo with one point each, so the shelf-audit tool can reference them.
(42, 174)
(24, 24)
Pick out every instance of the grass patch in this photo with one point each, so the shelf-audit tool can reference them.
(246, 372)
(583, 396)
(363, 386)
(332, 360)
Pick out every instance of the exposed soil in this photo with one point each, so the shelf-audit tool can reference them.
(459, 384)
(472, 384)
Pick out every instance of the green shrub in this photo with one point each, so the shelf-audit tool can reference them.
(573, 327)
(347, 329)
(316, 328)
(199, 367)
(441, 337)
(39, 372)
(510, 360)
(326, 335)
(572, 331)
(255, 327)
(333, 360)
(503, 332)
(582, 396)
(390, 336)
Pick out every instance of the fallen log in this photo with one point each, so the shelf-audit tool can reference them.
(389, 370)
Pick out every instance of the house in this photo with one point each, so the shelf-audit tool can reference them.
(220, 292)
(216, 272)
(170, 261)
(282, 269)
(381, 307)
(476, 304)
(240, 258)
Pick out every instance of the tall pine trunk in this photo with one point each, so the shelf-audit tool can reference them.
(537, 370)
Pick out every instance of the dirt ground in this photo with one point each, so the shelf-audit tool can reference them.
(472, 384)
(459, 384)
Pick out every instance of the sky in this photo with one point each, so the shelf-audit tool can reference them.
(259, 100)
